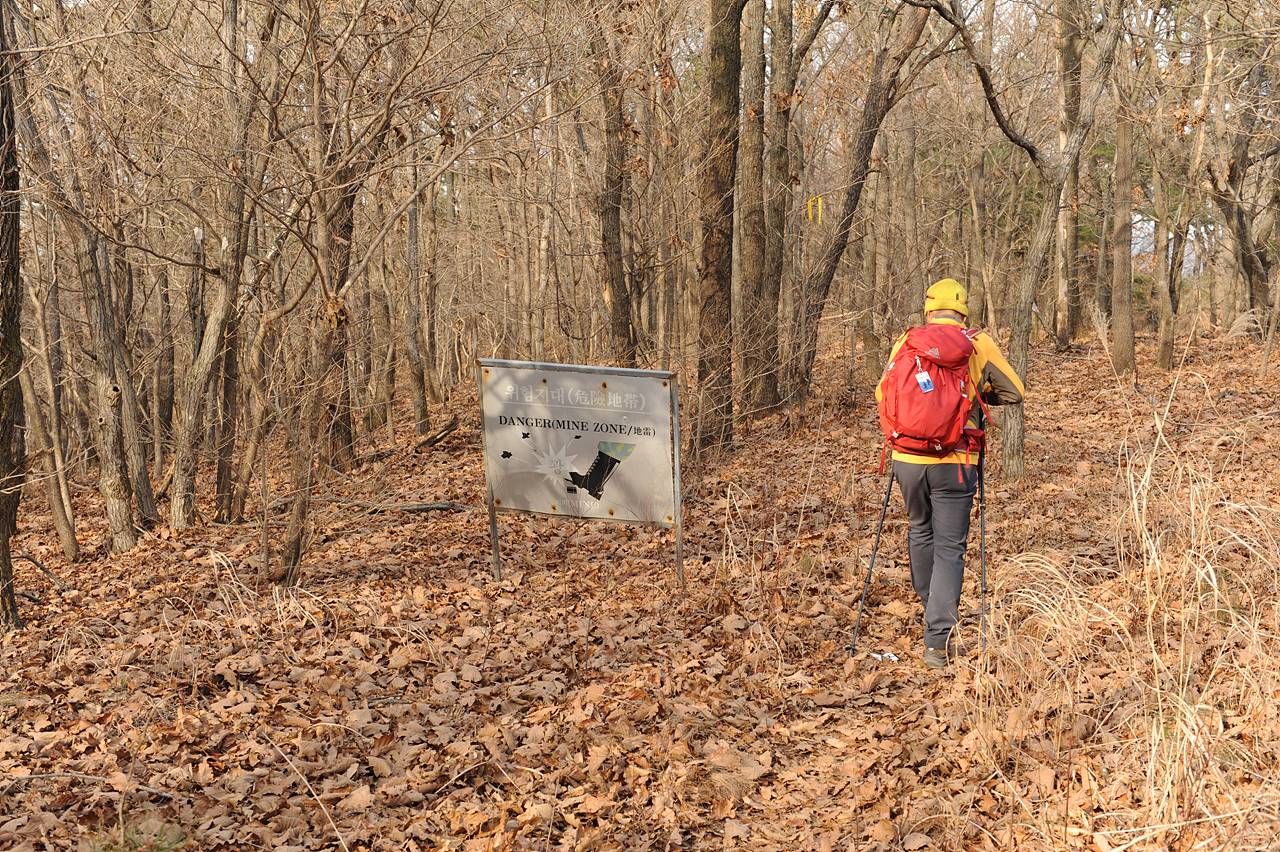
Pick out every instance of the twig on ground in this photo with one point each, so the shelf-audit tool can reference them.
(439, 435)
(460, 773)
(1048, 329)
(438, 506)
(162, 490)
(379, 455)
(54, 577)
(143, 787)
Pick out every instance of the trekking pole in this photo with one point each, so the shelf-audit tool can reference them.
(984, 417)
(874, 548)
(982, 544)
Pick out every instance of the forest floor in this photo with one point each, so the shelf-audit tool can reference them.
(401, 698)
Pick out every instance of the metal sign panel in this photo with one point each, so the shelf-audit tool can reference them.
(580, 442)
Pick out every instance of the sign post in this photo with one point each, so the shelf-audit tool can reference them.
(595, 443)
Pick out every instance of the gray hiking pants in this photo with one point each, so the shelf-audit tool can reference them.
(939, 499)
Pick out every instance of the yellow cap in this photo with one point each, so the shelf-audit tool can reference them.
(947, 295)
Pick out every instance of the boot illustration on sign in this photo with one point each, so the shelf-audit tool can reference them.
(609, 455)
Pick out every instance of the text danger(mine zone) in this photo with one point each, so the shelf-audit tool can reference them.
(581, 444)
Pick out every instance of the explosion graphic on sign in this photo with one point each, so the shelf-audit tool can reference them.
(555, 465)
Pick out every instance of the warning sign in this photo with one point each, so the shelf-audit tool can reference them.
(582, 442)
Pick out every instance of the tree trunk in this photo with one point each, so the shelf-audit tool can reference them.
(384, 356)
(545, 229)
(757, 368)
(1177, 257)
(341, 237)
(981, 252)
(11, 445)
(780, 166)
(334, 231)
(1122, 354)
(255, 413)
(49, 335)
(430, 296)
(978, 277)
(715, 318)
(1253, 259)
(1053, 176)
(869, 302)
(342, 433)
(411, 331)
(131, 420)
(228, 422)
(36, 427)
(304, 432)
(1013, 443)
(162, 377)
(1160, 284)
(777, 202)
(1070, 42)
(1102, 275)
(621, 332)
(197, 381)
(914, 275)
(302, 442)
(105, 425)
(259, 325)
(882, 217)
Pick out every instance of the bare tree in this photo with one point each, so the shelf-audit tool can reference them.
(1053, 169)
(715, 324)
(1243, 183)
(11, 444)
(893, 50)
(1122, 185)
(412, 328)
(781, 163)
(621, 328)
(1070, 45)
(757, 320)
(114, 480)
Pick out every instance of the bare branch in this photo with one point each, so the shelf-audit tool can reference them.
(806, 41)
(954, 17)
(52, 576)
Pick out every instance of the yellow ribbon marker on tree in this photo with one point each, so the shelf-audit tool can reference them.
(817, 198)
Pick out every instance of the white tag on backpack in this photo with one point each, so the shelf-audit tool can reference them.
(926, 383)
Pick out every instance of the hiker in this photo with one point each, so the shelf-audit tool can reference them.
(938, 474)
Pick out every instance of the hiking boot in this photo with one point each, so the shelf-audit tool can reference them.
(935, 658)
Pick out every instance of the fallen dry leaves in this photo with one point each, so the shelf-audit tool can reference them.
(403, 699)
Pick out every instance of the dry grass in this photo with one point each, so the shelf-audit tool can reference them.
(1133, 705)
(145, 836)
(1248, 324)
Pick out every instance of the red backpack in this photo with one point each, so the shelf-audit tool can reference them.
(925, 402)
